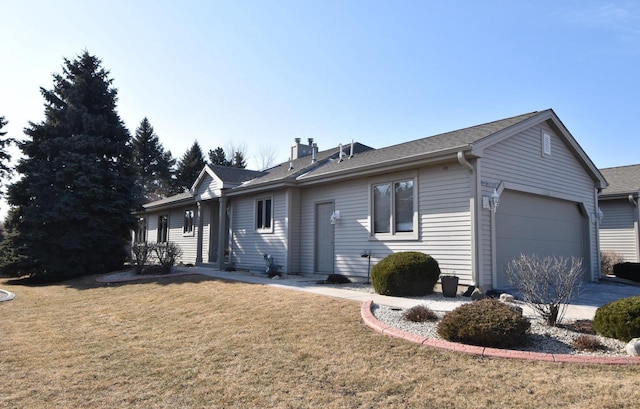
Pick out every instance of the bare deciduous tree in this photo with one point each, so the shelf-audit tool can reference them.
(546, 284)
(266, 157)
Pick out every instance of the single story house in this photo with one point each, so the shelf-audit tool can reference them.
(619, 229)
(472, 198)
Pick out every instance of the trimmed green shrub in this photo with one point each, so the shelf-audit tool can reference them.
(409, 273)
(487, 322)
(420, 313)
(619, 319)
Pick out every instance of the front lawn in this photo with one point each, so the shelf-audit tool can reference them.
(193, 341)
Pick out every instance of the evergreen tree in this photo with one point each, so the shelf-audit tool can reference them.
(72, 207)
(189, 167)
(152, 163)
(238, 160)
(5, 157)
(218, 157)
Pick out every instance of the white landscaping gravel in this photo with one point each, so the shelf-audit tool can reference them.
(542, 338)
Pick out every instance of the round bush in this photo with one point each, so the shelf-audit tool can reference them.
(619, 319)
(408, 273)
(487, 322)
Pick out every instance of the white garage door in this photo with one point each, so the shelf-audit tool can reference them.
(539, 225)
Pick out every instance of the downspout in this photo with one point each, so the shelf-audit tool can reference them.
(475, 266)
(598, 266)
(637, 225)
(463, 161)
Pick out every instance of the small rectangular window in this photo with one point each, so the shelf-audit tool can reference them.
(141, 231)
(163, 228)
(264, 214)
(187, 227)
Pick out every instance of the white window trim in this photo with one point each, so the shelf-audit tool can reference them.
(193, 223)
(392, 236)
(257, 228)
(160, 226)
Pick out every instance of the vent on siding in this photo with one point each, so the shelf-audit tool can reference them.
(546, 144)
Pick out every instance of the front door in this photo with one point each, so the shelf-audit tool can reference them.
(324, 238)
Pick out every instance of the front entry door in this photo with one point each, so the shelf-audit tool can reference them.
(324, 238)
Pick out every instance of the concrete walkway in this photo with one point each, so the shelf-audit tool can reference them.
(592, 295)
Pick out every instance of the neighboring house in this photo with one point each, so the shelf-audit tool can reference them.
(473, 199)
(619, 230)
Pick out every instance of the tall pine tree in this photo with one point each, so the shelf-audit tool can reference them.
(72, 206)
(154, 165)
(189, 167)
(5, 157)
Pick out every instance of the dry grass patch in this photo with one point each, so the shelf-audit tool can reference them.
(198, 342)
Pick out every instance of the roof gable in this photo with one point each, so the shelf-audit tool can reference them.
(223, 177)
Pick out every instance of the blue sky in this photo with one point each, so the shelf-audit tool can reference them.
(260, 73)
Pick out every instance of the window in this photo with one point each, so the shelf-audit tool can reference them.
(163, 228)
(264, 214)
(140, 235)
(187, 227)
(394, 208)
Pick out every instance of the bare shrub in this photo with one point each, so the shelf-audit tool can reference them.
(140, 254)
(420, 313)
(546, 284)
(587, 343)
(167, 254)
(608, 259)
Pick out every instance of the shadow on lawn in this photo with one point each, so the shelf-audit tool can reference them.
(91, 281)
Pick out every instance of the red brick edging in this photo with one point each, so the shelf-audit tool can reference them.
(371, 321)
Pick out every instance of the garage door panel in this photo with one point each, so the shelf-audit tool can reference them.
(529, 224)
(536, 228)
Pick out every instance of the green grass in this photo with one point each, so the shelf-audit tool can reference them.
(198, 342)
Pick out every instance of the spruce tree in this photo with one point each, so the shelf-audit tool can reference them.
(189, 167)
(238, 160)
(72, 207)
(5, 157)
(152, 163)
(218, 157)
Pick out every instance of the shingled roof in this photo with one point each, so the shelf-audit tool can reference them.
(429, 146)
(623, 180)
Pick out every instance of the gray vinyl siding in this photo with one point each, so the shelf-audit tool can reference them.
(294, 227)
(248, 245)
(618, 229)
(443, 222)
(187, 243)
(519, 160)
(176, 220)
(208, 188)
(205, 213)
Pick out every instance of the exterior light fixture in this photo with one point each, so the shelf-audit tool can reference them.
(494, 200)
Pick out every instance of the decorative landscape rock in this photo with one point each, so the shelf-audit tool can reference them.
(633, 347)
(477, 295)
